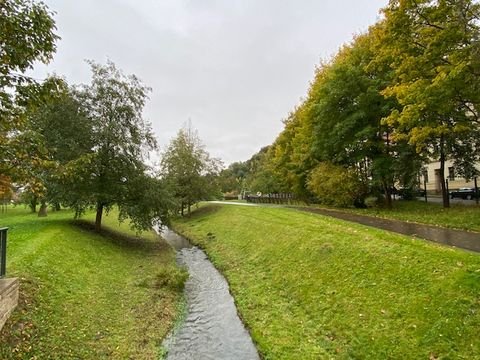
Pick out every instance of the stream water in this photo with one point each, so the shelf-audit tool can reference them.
(212, 328)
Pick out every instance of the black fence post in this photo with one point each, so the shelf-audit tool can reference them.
(3, 251)
(476, 189)
(425, 187)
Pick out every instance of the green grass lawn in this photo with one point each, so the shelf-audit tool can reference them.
(314, 287)
(84, 295)
(466, 217)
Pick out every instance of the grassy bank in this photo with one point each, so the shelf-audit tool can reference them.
(465, 217)
(84, 295)
(313, 287)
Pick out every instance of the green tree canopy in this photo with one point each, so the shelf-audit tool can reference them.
(232, 179)
(433, 48)
(189, 170)
(347, 115)
(113, 171)
(26, 35)
(63, 133)
(290, 158)
(334, 184)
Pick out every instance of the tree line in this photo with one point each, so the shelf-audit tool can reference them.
(402, 94)
(86, 146)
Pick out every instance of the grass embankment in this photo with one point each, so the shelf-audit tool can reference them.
(465, 217)
(313, 287)
(84, 295)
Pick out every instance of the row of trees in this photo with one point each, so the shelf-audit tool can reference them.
(404, 93)
(86, 146)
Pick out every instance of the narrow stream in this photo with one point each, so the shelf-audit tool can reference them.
(212, 328)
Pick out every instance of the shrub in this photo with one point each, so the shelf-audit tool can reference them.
(230, 197)
(335, 185)
(372, 201)
(172, 278)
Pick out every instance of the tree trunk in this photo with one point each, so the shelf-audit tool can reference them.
(387, 188)
(98, 218)
(182, 208)
(57, 206)
(43, 209)
(445, 196)
(33, 204)
(388, 195)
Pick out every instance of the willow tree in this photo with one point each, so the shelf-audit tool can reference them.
(433, 48)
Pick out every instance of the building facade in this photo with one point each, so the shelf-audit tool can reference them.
(431, 174)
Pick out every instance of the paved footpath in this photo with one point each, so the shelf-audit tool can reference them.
(458, 238)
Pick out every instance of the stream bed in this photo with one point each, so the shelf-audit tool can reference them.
(212, 328)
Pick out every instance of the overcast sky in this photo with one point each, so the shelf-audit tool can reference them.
(234, 67)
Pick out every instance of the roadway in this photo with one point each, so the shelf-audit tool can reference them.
(438, 199)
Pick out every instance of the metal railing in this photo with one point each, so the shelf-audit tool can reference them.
(3, 251)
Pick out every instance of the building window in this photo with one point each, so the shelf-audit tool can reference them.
(451, 174)
(425, 175)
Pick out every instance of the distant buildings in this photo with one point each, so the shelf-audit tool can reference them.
(432, 177)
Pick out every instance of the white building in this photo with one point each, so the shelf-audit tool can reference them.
(432, 177)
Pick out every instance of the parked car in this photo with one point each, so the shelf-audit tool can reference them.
(420, 193)
(463, 193)
(409, 193)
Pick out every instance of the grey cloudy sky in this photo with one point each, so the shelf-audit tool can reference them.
(234, 67)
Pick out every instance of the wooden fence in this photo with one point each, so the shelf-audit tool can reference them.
(281, 198)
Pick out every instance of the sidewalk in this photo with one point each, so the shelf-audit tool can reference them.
(457, 238)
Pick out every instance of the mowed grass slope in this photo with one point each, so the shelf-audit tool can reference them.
(458, 216)
(313, 287)
(84, 295)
